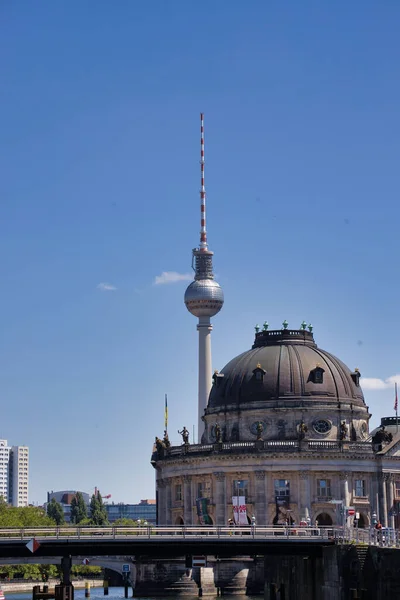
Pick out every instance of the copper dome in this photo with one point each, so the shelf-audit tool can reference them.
(285, 365)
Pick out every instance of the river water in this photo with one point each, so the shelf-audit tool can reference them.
(115, 593)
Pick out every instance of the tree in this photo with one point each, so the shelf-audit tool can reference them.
(78, 509)
(125, 522)
(98, 513)
(55, 511)
(27, 516)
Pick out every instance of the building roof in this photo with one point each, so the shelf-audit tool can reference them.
(285, 364)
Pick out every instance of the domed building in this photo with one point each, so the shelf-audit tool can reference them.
(286, 439)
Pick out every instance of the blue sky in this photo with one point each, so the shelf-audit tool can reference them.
(99, 158)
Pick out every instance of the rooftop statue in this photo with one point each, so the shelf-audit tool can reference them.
(166, 441)
(185, 435)
(160, 447)
(382, 436)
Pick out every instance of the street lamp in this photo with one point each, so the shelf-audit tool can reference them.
(374, 518)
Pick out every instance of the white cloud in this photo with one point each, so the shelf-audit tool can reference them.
(373, 383)
(171, 277)
(106, 287)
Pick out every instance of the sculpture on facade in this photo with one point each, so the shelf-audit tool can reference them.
(185, 435)
(218, 433)
(343, 431)
(302, 430)
(259, 430)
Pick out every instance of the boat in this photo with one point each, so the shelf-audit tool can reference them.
(1, 594)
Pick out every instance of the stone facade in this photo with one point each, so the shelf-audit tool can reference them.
(314, 479)
(287, 429)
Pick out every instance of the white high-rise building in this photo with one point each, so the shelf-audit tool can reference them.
(18, 476)
(4, 470)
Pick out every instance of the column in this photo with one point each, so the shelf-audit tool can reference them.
(374, 496)
(204, 328)
(161, 502)
(220, 499)
(168, 502)
(390, 498)
(187, 500)
(260, 509)
(344, 492)
(304, 495)
(382, 499)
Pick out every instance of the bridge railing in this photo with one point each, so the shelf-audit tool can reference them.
(342, 535)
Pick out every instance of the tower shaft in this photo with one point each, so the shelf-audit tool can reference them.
(204, 328)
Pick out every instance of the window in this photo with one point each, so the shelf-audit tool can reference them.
(324, 488)
(317, 375)
(218, 378)
(397, 488)
(282, 487)
(259, 373)
(178, 492)
(240, 488)
(203, 489)
(359, 487)
(322, 426)
(356, 377)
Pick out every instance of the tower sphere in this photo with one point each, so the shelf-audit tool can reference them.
(204, 298)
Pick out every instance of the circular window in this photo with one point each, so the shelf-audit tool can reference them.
(322, 426)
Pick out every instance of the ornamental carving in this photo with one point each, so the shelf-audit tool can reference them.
(259, 475)
(161, 483)
(344, 475)
(187, 478)
(304, 474)
(219, 476)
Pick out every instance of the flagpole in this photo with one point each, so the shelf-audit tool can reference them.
(396, 407)
(166, 414)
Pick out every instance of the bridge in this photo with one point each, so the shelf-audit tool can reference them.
(180, 541)
(251, 555)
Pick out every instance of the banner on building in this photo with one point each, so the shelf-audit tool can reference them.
(202, 511)
(239, 510)
(282, 510)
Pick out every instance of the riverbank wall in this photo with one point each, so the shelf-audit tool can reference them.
(17, 586)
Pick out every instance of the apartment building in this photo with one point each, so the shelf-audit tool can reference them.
(14, 473)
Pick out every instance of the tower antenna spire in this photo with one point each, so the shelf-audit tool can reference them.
(203, 230)
(204, 298)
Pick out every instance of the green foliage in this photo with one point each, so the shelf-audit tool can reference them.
(98, 513)
(27, 516)
(78, 509)
(85, 571)
(55, 511)
(124, 522)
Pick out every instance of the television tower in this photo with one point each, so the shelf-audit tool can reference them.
(203, 298)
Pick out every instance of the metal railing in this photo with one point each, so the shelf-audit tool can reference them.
(343, 535)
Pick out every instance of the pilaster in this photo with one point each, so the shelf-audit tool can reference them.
(260, 497)
(220, 498)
